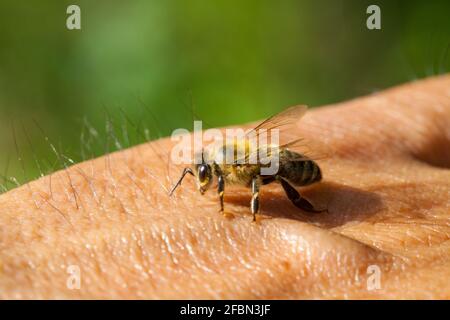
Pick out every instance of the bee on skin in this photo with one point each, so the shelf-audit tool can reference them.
(294, 169)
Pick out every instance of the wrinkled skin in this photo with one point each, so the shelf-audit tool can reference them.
(386, 187)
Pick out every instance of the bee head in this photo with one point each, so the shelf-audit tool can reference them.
(204, 177)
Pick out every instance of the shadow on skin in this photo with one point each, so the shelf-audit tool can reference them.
(422, 203)
(345, 204)
(436, 152)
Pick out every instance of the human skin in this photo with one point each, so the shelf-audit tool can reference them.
(386, 186)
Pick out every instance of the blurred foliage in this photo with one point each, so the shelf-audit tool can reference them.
(153, 64)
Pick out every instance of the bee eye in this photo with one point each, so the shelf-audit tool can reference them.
(202, 172)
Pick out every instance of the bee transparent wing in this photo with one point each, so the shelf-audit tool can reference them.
(263, 134)
(309, 150)
(306, 150)
(283, 121)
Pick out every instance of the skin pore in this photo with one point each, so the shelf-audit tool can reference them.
(386, 187)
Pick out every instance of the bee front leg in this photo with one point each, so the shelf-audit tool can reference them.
(221, 190)
(254, 204)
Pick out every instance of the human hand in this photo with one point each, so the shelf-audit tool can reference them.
(386, 187)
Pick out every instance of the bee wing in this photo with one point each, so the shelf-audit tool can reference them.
(306, 150)
(283, 122)
(309, 150)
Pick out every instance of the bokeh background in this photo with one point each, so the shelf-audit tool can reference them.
(139, 69)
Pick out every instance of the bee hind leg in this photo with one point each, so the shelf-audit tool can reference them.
(296, 198)
(254, 203)
(221, 190)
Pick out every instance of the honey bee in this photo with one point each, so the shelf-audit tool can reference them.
(293, 169)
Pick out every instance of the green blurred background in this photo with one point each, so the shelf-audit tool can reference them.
(139, 69)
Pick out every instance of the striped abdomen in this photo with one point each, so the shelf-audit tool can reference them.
(298, 169)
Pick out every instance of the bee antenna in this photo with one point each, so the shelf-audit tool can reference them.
(185, 171)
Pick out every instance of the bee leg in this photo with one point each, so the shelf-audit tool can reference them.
(296, 198)
(185, 171)
(220, 190)
(254, 204)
